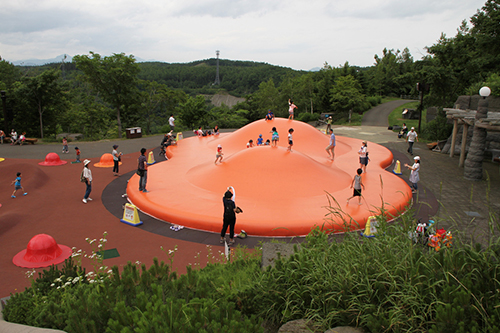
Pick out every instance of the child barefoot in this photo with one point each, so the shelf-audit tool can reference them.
(17, 183)
(218, 155)
(356, 181)
(290, 139)
(275, 137)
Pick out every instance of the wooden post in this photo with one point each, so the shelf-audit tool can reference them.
(454, 137)
(464, 144)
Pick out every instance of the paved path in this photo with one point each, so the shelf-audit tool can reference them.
(377, 116)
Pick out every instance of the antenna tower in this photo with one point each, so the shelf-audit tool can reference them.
(217, 79)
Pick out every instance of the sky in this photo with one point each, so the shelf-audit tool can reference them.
(300, 34)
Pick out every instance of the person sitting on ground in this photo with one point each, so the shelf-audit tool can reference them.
(216, 130)
(250, 144)
(267, 143)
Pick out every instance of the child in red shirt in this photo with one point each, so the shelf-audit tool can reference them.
(77, 155)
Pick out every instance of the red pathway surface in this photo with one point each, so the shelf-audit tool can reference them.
(54, 206)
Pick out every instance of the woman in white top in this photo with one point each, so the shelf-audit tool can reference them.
(414, 175)
(363, 156)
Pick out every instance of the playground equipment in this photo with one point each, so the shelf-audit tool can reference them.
(282, 193)
(42, 251)
(52, 159)
(106, 161)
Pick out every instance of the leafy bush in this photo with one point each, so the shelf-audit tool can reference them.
(383, 284)
(437, 129)
(307, 117)
(374, 100)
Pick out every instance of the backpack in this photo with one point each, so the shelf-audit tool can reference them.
(82, 178)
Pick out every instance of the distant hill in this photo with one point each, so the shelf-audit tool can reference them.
(238, 78)
(41, 62)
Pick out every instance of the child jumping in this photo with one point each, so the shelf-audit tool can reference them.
(218, 155)
(18, 186)
(290, 139)
(357, 183)
(275, 137)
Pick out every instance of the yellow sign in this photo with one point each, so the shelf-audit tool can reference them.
(131, 215)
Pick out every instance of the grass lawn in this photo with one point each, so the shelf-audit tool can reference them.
(396, 116)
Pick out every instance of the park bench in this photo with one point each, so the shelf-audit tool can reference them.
(26, 140)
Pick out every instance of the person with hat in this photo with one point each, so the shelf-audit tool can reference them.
(87, 176)
(414, 175)
(410, 138)
(363, 156)
(116, 160)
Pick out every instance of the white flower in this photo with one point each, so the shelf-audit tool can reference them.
(52, 284)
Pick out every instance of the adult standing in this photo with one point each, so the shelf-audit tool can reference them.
(87, 175)
(411, 137)
(329, 122)
(229, 217)
(415, 173)
(2, 135)
(330, 149)
(171, 122)
(142, 171)
(116, 160)
(363, 156)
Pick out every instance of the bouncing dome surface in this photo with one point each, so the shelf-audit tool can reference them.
(281, 193)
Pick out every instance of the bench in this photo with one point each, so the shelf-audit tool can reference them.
(31, 140)
(26, 140)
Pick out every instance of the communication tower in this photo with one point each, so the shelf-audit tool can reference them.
(217, 79)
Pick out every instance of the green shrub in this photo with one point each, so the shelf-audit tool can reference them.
(307, 117)
(437, 129)
(374, 100)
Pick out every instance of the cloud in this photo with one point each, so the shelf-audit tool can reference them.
(293, 33)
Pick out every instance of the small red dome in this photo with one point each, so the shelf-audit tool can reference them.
(52, 159)
(42, 251)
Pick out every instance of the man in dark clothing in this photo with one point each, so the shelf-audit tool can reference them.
(229, 218)
(142, 171)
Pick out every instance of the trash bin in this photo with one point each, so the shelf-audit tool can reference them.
(134, 132)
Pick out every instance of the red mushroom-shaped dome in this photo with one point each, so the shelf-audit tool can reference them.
(42, 251)
(52, 159)
(106, 161)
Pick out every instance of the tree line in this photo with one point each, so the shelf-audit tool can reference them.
(101, 96)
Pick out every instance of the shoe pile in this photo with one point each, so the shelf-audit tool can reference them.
(176, 227)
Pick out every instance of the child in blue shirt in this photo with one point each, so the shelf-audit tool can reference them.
(260, 140)
(18, 186)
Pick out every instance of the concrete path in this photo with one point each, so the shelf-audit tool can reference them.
(377, 116)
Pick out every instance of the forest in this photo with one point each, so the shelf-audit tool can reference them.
(100, 96)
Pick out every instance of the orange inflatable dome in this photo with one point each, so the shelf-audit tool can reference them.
(106, 161)
(281, 193)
